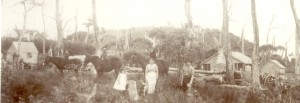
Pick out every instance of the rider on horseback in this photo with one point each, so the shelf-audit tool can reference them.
(66, 56)
(104, 54)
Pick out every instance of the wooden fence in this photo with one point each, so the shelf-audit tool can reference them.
(198, 73)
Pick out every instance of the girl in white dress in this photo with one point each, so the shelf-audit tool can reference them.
(121, 81)
(151, 76)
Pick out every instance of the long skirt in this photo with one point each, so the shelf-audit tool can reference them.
(185, 80)
(151, 78)
(120, 83)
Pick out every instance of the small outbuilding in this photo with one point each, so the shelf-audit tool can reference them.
(240, 61)
(272, 67)
(28, 52)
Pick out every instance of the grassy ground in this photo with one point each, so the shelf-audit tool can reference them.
(47, 86)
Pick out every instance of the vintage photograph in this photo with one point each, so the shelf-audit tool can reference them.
(150, 51)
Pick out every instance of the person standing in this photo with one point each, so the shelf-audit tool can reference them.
(121, 82)
(151, 75)
(15, 60)
(187, 77)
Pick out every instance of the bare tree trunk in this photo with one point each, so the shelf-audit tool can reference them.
(76, 21)
(286, 55)
(24, 17)
(282, 52)
(44, 34)
(270, 28)
(96, 28)
(274, 41)
(188, 13)
(297, 38)
(189, 26)
(127, 41)
(255, 56)
(59, 29)
(22, 33)
(87, 35)
(243, 40)
(228, 55)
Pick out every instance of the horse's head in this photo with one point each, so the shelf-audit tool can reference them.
(87, 59)
(47, 60)
(133, 59)
(136, 59)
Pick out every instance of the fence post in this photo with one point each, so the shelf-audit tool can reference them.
(132, 89)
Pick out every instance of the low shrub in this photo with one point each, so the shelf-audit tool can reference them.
(214, 92)
(24, 85)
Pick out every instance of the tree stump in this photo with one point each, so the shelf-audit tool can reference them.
(132, 90)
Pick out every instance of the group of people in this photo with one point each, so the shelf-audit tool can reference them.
(151, 76)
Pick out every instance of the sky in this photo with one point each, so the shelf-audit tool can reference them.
(121, 14)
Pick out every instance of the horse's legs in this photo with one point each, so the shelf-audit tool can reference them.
(76, 71)
(99, 73)
(61, 72)
(77, 67)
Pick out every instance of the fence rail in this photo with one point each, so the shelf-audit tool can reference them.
(197, 72)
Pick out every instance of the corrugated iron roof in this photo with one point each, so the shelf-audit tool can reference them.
(26, 47)
(278, 64)
(236, 55)
(241, 57)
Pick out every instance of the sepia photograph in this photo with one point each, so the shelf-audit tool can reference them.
(150, 51)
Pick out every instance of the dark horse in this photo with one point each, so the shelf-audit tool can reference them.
(106, 65)
(64, 64)
(163, 65)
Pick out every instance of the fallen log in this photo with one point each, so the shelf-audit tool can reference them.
(214, 78)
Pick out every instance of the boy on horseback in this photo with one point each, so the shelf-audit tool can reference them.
(66, 56)
(104, 54)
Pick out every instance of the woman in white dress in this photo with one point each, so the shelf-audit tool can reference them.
(151, 74)
(121, 81)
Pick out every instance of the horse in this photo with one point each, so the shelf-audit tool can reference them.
(64, 64)
(163, 65)
(103, 65)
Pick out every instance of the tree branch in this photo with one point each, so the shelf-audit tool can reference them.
(21, 2)
(294, 11)
(150, 39)
(67, 21)
(30, 9)
(229, 9)
(53, 18)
